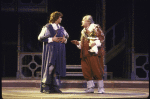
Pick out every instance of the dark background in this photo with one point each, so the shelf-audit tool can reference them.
(73, 11)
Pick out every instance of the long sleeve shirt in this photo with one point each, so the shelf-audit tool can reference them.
(46, 31)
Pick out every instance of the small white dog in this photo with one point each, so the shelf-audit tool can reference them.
(93, 40)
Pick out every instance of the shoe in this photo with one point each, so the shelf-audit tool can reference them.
(45, 88)
(89, 90)
(90, 87)
(100, 86)
(47, 91)
(56, 90)
(52, 91)
(101, 90)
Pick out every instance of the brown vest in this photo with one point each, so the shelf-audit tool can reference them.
(85, 45)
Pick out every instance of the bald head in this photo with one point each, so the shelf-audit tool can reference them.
(87, 20)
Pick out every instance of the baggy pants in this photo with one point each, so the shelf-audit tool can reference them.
(92, 67)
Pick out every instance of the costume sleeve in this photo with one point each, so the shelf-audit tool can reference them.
(82, 34)
(48, 40)
(100, 33)
(44, 35)
(79, 46)
(65, 34)
(65, 41)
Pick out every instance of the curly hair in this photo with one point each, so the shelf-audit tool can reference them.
(54, 16)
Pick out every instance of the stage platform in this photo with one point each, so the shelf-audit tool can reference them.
(75, 83)
(13, 88)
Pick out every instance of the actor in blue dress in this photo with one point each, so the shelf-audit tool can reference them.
(54, 38)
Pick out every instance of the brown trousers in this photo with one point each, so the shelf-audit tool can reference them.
(92, 67)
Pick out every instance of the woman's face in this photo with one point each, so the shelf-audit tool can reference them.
(59, 20)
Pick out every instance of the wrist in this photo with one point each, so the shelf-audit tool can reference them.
(77, 43)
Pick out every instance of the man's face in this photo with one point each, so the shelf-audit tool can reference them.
(59, 20)
(85, 22)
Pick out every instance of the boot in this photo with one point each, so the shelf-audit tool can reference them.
(100, 86)
(90, 87)
(45, 88)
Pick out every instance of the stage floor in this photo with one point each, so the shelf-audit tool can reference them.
(13, 88)
(34, 93)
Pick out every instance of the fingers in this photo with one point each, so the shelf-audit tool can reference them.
(57, 39)
(71, 41)
(74, 42)
(62, 39)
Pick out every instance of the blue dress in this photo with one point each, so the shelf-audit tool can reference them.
(54, 53)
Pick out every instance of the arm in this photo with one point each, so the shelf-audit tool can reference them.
(101, 37)
(100, 34)
(44, 36)
(77, 43)
(50, 39)
(65, 36)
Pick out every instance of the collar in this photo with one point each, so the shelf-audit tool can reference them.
(54, 25)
